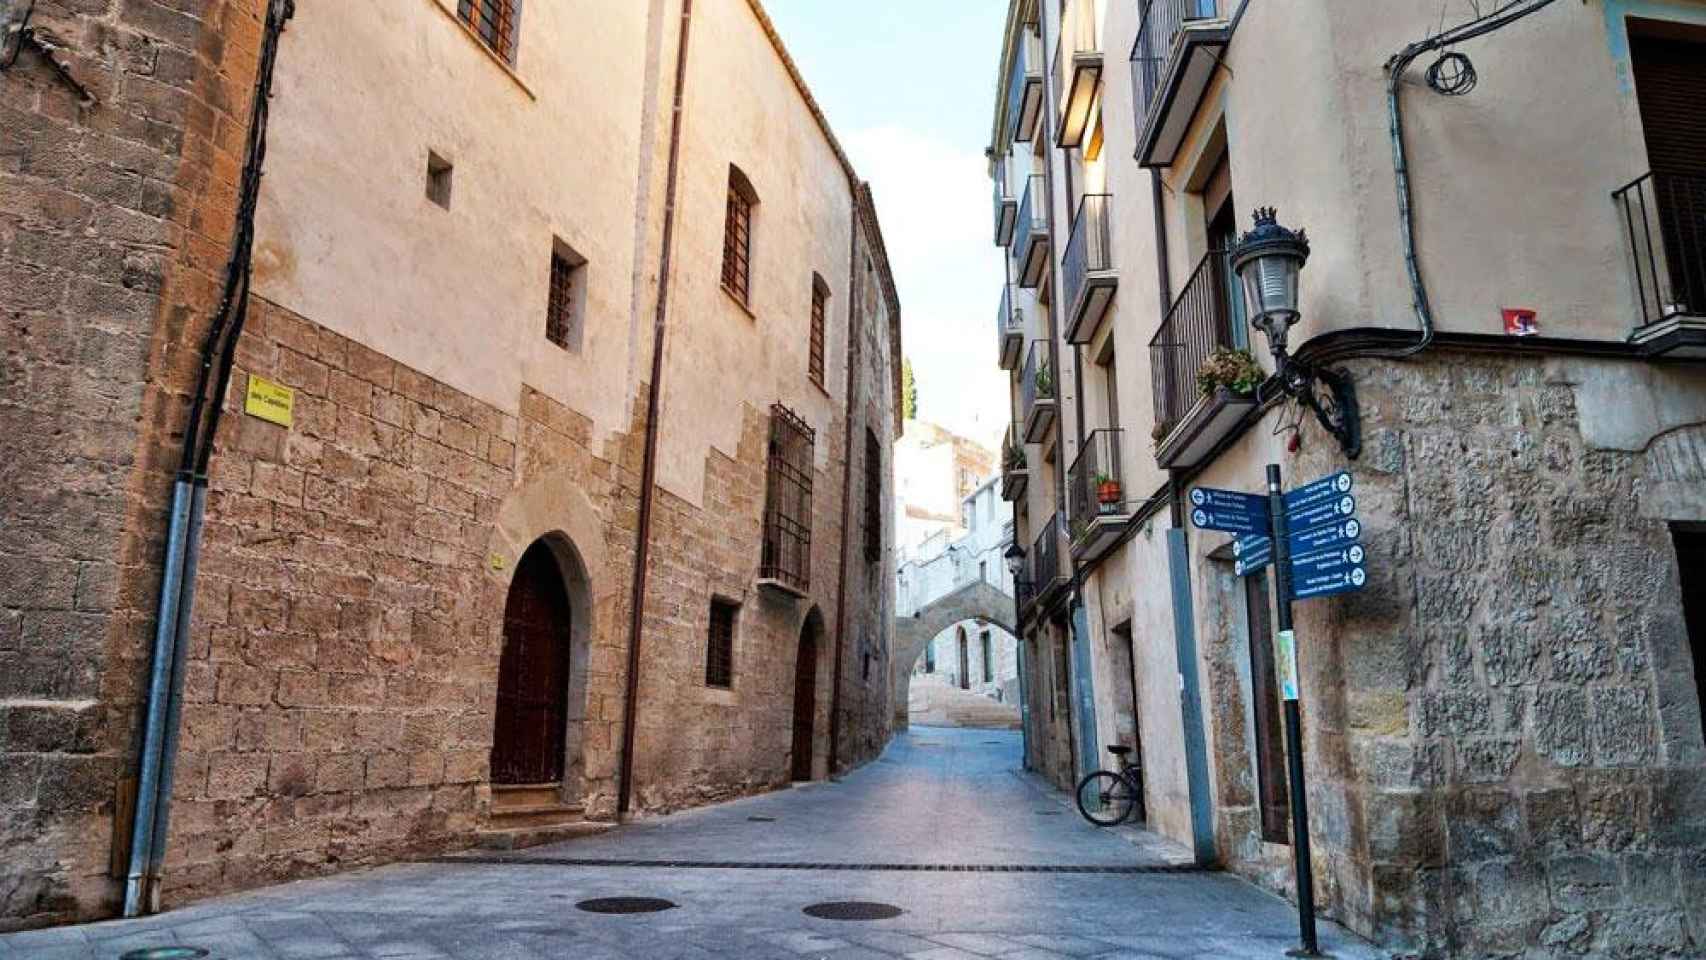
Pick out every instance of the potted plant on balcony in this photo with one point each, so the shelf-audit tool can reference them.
(1107, 493)
(1045, 381)
(1158, 435)
(1236, 371)
(1015, 458)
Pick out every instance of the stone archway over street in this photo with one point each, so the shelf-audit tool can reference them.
(974, 601)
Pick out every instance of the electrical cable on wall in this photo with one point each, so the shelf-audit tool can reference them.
(1452, 74)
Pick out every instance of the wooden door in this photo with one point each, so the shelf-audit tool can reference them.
(965, 662)
(805, 704)
(533, 675)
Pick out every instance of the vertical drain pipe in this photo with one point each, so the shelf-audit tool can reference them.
(654, 391)
(175, 607)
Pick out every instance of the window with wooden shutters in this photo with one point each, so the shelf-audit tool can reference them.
(787, 547)
(737, 237)
(493, 21)
(1264, 689)
(873, 497)
(720, 644)
(820, 307)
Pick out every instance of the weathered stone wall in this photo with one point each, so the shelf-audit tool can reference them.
(114, 220)
(1502, 731)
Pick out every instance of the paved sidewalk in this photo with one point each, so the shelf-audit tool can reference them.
(937, 799)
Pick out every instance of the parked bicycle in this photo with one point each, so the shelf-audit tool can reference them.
(1106, 798)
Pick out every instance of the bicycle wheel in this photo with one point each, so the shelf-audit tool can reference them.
(1105, 798)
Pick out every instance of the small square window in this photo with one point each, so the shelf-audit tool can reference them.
(439, 172)
(720, 644)
(567, 300)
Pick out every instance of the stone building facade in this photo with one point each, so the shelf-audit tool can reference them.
(1502, 731)
(459, 280)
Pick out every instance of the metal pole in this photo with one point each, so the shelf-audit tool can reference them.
(1287, 663)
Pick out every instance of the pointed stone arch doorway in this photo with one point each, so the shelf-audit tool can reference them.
(541, 681)
(803, 751)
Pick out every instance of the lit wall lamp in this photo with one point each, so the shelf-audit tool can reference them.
(1268, 261)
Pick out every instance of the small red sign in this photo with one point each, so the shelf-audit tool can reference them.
(1521, 323)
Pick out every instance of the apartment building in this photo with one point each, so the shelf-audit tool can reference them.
(1499, 333)
(513, 457)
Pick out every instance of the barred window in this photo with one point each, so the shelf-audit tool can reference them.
(494, 22)
(873, 497)
(737, 236)
(720, 644)
(567, 293)
(820, 305)
(788, 501)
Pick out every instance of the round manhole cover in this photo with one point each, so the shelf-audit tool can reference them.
(165, 953)
(853, 910)
(761, 819)
(625, 905)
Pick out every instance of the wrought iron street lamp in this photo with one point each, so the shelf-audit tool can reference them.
(1269, 262)
(1015, 557)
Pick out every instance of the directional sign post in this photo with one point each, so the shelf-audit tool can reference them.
(1312, 538)
(1281, 511)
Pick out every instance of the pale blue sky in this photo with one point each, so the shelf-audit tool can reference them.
(909, 88)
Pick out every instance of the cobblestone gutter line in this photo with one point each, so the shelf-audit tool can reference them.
(772, 865)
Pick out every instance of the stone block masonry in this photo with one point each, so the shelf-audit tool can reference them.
(1503, 731)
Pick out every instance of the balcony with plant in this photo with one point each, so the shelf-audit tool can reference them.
(1015, 472)
(1204, 381)
(1097, 500)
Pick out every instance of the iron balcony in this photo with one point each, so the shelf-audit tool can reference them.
(1097, 501)
(1031, 237)
(1009, 329)
(1187, 422)
(1088, 268)
(1025, 85)
(1043, 567)
(1179, 43)
(1037, 393)
(1006, 208)
(1077, 69)
(1664, 222)
(1015, 472)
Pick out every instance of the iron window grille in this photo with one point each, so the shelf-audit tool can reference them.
(788, 501)
(560, 314)
(820, 304)
(493, 21)
(737, 237)
(720, 644)
(873, 497)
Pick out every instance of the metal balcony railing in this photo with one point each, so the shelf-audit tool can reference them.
(1198, 322)
(1664, 216)
(1089, 250)
(1009, 328)
(1033, 218)
(1095, 487)
(1078, 48)
(1006, 208)
(1036, 382)
(1159, 26)
(1043, 562)
(1026, 71)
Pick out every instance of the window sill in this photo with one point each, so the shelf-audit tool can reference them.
(445, 7)
(821, 388)
(742, 304)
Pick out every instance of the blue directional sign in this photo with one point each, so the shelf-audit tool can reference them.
(1254, 552)
(1331, 511)
(1230, 511)
(1328, 572)
(1321, 491)
(1312, 539)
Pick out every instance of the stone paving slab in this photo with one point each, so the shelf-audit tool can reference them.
(958, 800)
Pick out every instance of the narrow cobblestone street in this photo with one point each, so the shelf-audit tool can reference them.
(889, 833)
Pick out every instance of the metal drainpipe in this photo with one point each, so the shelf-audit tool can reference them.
(648, 469)
(159, 696)
(853, 360)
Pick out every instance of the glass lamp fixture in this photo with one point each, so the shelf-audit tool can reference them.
(1268, 261)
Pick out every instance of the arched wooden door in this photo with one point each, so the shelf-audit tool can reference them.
(805, 702)
(533, 675)
(965, 661)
